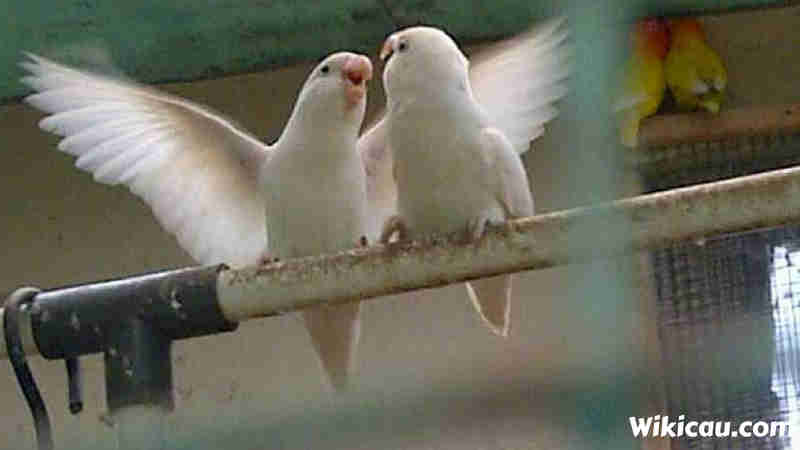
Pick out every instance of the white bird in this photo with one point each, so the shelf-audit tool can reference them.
(226, 196)
(455, 136)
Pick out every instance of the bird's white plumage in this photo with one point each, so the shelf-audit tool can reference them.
(462, 132)
(516, 82)
(510, 182)
(196, 170)
(216, 187)
(376, 156)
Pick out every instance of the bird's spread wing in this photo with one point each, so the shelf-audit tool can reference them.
(195, 169)
(517, 81)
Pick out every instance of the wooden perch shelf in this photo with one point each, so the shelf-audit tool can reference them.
(734, 142)
(674, 129)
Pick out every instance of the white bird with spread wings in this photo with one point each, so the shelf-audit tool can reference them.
(225, 195)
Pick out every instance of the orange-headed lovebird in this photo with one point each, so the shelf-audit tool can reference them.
(644, 83)
(695, 73)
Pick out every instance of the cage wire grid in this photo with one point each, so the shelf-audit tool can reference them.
(729, 306)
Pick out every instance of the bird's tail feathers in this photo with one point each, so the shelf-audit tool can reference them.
(492, 299)
(334, 331)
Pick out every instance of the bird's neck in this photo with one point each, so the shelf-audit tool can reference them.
(324, 137)
(686, 39)
(651, 48)
(649, 53)
(687, 29)
(430, 97)
(316, 126)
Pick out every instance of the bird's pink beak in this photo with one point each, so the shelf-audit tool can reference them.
(357, 71)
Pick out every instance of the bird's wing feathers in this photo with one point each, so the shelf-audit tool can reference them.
(699, 86)
(378, 163)
(195, 169)
(518, 81)
(628, 101)
(642, 82)
(491, 297)
(509, 180)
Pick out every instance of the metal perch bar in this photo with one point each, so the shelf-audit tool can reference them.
(741, 204)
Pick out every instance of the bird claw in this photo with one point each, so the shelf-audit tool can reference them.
(394, 224)
(267, 259)
(476, 229)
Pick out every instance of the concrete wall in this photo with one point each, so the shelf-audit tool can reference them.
(429, 376)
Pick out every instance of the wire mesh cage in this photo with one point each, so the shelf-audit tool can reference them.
(728, 305)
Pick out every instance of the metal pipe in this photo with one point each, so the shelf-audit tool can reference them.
(741, 204)
(138, 367)
(81, 320)
(746, 203)
(28, 343)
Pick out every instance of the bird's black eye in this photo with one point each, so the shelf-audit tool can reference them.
(325, 70)
(402, 46)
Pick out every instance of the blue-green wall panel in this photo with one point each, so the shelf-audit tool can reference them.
(155, 40)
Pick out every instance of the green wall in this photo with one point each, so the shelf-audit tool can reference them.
(157, 41)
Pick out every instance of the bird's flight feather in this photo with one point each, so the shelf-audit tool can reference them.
(197, 170)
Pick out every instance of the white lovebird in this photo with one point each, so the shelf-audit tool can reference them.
(225, 195)
(455, 135)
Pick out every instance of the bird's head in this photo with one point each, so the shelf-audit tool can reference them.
(422, 58)
(337, 87)
(686, 28)
(652, 36)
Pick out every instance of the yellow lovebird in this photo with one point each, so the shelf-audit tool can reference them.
(643, 81)
(695, 73)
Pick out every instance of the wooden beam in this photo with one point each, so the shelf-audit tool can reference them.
(674, 129)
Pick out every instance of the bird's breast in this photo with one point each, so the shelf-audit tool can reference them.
(310, 215)
(441, 174)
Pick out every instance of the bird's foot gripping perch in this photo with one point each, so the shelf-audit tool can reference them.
(478, 227)
(394, 224)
